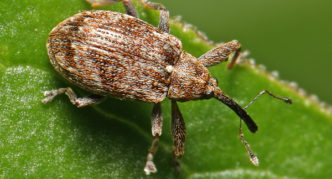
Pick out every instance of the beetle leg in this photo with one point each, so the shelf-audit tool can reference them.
(131, 10)
(178, 133)
(156, 129)
(98, 3)
(253, 158)
(164, 14)
(221, 54)
(79, 102)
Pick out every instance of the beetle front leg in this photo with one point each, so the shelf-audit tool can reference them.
(221, 54)
(79, 102)
(156, 129)
(128, 4)
(178, 133)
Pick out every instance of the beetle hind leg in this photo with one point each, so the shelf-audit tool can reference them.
(164, 15)
(178, 133)
(79, 102)
(128, 4)
(131, 10)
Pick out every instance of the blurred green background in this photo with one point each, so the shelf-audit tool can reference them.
(293, 37)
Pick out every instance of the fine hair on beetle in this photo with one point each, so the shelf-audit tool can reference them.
(114, 54)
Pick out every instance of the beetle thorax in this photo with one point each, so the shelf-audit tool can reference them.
(189, 79)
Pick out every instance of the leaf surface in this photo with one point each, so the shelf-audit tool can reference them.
(111, 139)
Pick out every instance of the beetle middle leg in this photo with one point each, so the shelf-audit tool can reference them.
(79, 102)
(221, 53)
(178, 133)
(156, 129)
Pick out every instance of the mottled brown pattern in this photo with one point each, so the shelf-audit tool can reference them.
(110, 53)
(189, 79)
(178, 131)
(221, 53)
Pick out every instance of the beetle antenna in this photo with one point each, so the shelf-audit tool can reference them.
(221, 96)
(252, 157)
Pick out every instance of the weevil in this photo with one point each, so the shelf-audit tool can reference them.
(114, 54)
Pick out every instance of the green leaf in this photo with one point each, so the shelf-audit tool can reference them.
(111, 139)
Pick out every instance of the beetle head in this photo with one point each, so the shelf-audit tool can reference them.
(189, 79)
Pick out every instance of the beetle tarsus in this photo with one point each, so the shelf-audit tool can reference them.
(79, 102)
(156, 129)
(150, 167)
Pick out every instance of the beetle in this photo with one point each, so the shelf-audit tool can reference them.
(114, 54)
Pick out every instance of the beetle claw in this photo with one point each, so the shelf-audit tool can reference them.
(49, 95)
(150, 167)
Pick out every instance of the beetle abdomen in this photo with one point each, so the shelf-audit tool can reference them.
(110, 53)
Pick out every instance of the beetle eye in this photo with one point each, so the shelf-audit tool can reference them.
(209, 94)
(215, 79)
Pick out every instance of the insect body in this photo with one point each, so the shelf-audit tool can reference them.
(111, 53)
(114, 54)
